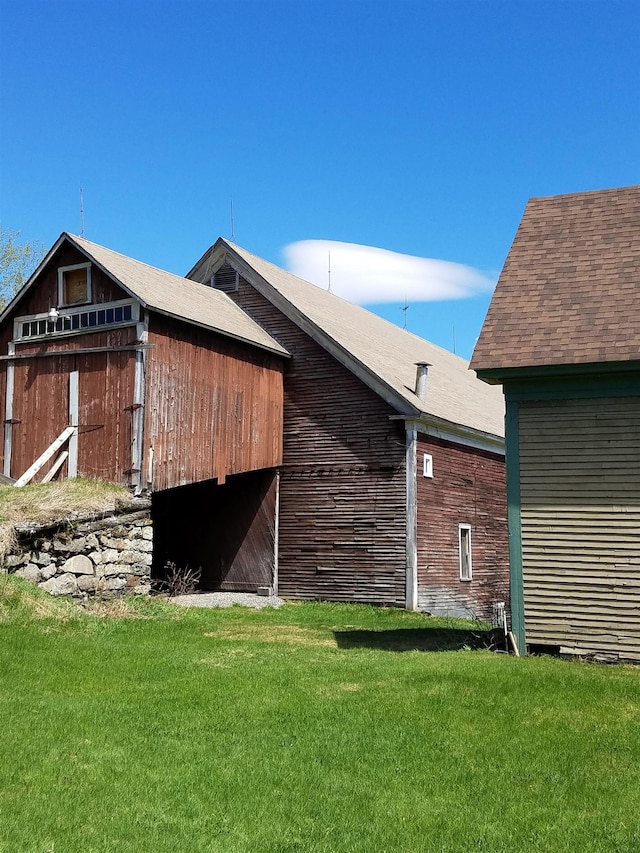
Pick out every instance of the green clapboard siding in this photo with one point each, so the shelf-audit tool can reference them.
(580, 516)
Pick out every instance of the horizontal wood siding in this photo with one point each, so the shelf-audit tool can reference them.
(342, 490)
(227, 532)
(213, 406)
(580, 495)
(41, 403)
(468, 487)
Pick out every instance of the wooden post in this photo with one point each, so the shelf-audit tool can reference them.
(411, 599)
(137, 416)
(276, 536)
(8, 411)
(74, 397)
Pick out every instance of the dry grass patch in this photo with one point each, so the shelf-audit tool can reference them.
(47, 503)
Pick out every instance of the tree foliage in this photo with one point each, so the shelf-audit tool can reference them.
(18, 259)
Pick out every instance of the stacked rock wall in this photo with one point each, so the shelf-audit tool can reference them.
(107, 556)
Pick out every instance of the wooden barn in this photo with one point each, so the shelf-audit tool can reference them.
(392, 484)
(562, 335)
(165, 383)
(288, 438)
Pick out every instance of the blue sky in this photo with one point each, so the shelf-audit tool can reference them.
(419, 128)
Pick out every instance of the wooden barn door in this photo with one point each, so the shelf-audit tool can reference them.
(92, 391)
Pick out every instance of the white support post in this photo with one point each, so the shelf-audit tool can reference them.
(74, 398)
(8, 411)
(137, 419)
(411, 602)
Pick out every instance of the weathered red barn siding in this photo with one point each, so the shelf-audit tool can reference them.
(105, 397)
(213, 405)
(468, 487)
(342, 492)
(41, 384)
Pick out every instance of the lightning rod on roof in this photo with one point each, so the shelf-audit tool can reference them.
(81, 214)
(329, 271)
(405, 308)
(233, 235)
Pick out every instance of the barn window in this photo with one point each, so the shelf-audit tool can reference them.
(225, 279)
(427, 465)
(74, 284)
(464, 550)
(77, 320)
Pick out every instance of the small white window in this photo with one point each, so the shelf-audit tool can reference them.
(74, 284)
(464, 543)
(427, 465)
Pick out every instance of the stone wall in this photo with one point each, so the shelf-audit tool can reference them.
(103, 556)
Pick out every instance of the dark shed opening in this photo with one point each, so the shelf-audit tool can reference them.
(227, 531)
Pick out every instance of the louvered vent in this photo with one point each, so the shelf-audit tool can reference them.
(225, 279)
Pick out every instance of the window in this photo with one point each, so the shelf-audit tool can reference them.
(464, 545)
(74, 284)
(427, 465)
(77, 320)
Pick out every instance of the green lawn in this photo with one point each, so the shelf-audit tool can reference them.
(309, 728)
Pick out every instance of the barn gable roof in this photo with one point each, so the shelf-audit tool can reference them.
(167, 294)
(383, 355)
(569, 292)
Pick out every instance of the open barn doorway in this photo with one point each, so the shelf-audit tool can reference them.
(227, 532)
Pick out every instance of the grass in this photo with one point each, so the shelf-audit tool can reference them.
(43, 503)
(315, 727)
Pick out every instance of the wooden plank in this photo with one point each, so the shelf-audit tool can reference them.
(59, 462)
(70, 351)
(44, 457)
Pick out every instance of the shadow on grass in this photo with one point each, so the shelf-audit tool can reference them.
(416, 639)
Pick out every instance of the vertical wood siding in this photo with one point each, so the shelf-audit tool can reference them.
(342, 490)
(214, 406)
(580, 497)
(468, 487)
(41, 403)
(41, 397)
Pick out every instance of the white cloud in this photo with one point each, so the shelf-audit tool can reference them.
(366, 275)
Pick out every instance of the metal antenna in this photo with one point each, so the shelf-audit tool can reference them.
(233, 235)
(454, 339)
(329, 288)
(81, 214)
(405, 308)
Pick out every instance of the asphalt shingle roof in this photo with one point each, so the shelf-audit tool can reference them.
(569, 292)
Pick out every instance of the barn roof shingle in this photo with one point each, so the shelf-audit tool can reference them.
(569, 292)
